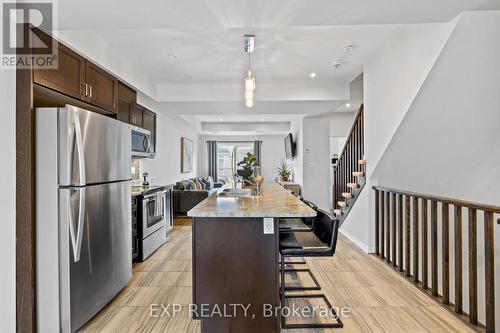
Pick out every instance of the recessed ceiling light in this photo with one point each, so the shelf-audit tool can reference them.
(348, 104)
(220, 119)
(261, 119)
(312, 75)
(337, 62)
(348, 48)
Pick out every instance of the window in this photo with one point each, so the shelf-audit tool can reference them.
(228, 156)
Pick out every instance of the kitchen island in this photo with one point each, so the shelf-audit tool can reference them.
(235, 258)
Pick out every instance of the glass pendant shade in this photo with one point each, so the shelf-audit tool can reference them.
(250, 83)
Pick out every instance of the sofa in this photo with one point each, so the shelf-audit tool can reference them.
(188, 193)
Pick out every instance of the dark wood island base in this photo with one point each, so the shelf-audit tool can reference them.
(235, 275)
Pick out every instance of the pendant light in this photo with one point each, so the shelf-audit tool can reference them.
(249, 81)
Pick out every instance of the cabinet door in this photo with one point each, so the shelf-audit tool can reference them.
(149, 123)
(126, 96)
(68, 78)
(103, 87)
(136, 114)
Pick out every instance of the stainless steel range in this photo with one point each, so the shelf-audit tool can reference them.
(153, 220)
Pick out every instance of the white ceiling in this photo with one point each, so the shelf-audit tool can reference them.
(190, 52)
(201, 41)
(216, 57)
(209, 14)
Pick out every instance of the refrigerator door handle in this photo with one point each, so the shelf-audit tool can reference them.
(76, 240)
(79, 148)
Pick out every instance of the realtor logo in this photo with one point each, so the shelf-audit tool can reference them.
(26, 27)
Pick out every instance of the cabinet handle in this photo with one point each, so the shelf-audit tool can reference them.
(90, 91)
(86, 88)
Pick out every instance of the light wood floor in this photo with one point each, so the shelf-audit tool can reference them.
(379, 299)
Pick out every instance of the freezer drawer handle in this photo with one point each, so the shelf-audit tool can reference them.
(79, 147)
(76, 240)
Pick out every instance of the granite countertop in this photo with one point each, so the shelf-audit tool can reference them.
(274, 201)
(138, 190)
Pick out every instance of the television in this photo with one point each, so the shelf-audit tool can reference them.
(289, 146)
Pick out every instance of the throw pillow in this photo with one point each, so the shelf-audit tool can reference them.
(206, 184)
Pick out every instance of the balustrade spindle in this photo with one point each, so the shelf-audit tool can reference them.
(382, 222)
(489, 265)
(377, 213)
(415, 239)
(458, 259)
(407, 239)
(434, 247)
(446, 252)
(472, 265)
(425, 275)
(388, 226)
(400, 226)
(393, 230)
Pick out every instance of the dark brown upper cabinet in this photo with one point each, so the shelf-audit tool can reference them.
(78, 77)
(81, 79)
(149, 123)
(136, 114)
(68, 78)
(126, 97)
(101, 87)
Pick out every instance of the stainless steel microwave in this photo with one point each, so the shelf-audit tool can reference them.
(141, 142)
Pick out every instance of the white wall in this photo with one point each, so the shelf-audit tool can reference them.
(7, 201)
(449, 141)
(297, 163)
(392, 79)
(316, 154)
(341, 123)
(272, 151)
(317, 162)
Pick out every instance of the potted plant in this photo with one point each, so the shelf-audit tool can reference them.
(284, 170)
(248, 162)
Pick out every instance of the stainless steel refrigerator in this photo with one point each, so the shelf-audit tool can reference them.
(84, 234)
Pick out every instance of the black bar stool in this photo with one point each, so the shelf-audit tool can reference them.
(325, 229)
(303, 224)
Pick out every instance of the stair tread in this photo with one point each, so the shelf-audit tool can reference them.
(358, 173)
(361, 162)
(347, 195)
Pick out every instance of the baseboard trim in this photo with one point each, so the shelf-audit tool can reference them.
(357, 242)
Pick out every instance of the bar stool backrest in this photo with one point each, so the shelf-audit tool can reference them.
(309, 221)
(326, 228)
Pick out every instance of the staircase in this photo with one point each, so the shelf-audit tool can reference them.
(350, 170)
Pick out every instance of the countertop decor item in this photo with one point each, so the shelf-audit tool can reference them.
(258, 179)
(186, 155)
(284, 170)
(145, 182)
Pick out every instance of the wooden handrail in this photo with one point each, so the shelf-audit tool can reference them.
(451, 201)
(347, 162)
(415, 230)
